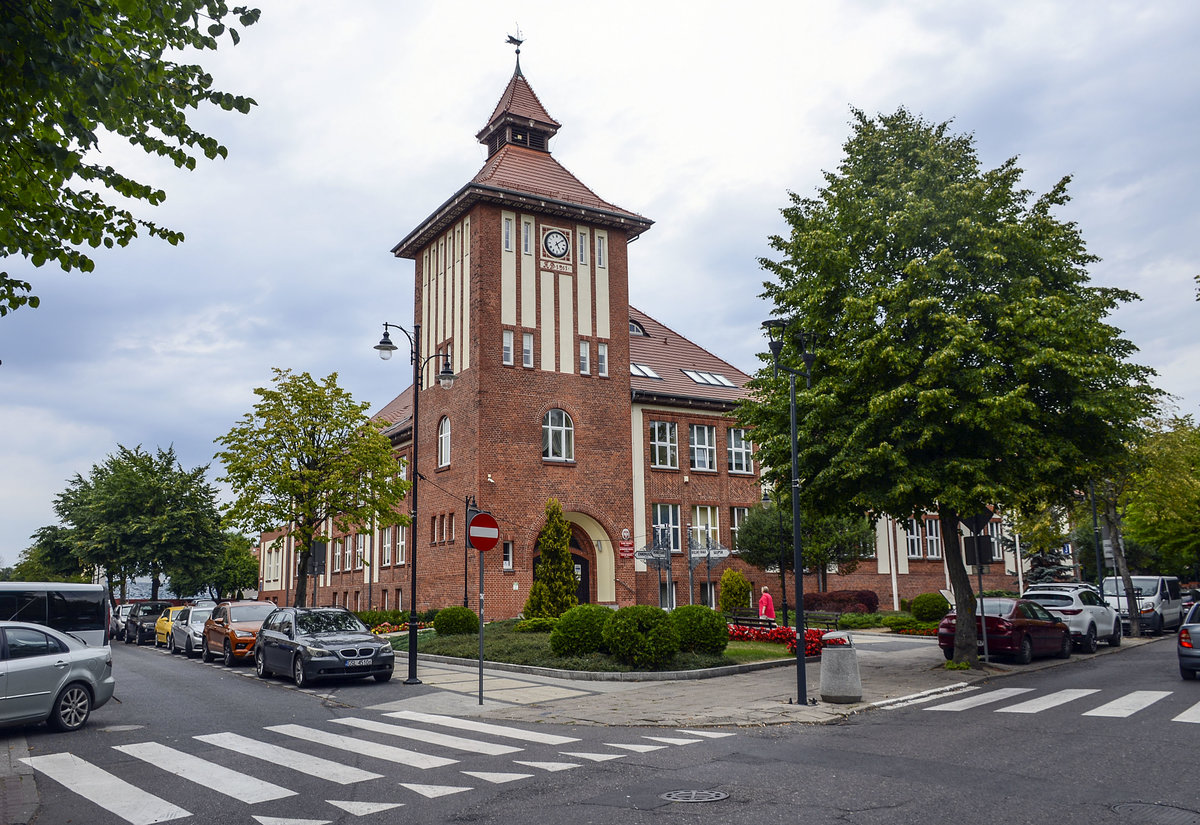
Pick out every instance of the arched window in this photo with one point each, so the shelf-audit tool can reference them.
(444, 442)
(558, 436)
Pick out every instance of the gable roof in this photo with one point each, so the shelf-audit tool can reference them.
(669, 354)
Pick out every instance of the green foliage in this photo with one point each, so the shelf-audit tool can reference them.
(307, 453)
(541, 624)
(765, 540)
(580, 630)
(456, 620)
(374, 618)
(553, 591)
(930, 607)
(1162, 506)
(852, 621)
(73, 71)
(642, 636)
(734, 593)
(701, 629)
(51, 558)
(957, 665)
(899, 623)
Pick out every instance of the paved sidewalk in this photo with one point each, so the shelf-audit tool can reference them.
(892, 668)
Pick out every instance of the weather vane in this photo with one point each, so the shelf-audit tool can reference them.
(517, 40)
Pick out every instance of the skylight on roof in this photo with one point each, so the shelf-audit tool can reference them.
(643, 371)
(714, 379)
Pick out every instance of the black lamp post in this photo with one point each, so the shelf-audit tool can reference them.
(446, 379)
(782, 567)
(775, 330)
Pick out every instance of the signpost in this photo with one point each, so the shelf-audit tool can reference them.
(483, 531)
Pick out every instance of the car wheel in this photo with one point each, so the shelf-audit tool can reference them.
(188, 650)
(260, 665)
(948, 652)
(383, 677)
(298, 675)
(1064, 652)
(1025, 654)
(1115, 639)
(171, 645)
(1190, 675)
(227, 656)
(205, 654)
(71, 708)
(1089, 644)
(125, 638)
(138, 640)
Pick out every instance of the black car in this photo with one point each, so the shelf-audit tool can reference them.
(317, 642)
(139, 625)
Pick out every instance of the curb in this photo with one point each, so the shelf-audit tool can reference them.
(609, 675)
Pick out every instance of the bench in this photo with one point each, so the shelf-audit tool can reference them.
(748, 618)
(824, 619)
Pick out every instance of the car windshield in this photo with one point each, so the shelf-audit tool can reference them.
(329, 621)
(154, 608)
(995, 607)
(1050, 599)
(1142, 586)
(250, 612)
(199, 614)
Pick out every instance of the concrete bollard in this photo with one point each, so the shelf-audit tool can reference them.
(840, 682)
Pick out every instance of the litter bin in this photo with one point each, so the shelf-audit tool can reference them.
(840, 682)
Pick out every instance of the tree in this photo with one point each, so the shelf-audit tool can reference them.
(307, 454)
(962, 358)
(553, 591)
(1162, 505)
(51, 558)
(1043, 530)
(70, 71)
(141, 514)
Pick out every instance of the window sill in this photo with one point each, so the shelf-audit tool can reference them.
(704, 470)
(664, 468)
(559, 462)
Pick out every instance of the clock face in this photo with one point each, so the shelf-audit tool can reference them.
(555, 243)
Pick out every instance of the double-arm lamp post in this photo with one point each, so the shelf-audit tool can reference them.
(776, 328)
(446, 379)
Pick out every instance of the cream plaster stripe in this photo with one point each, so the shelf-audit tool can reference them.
(508, 272)
(546, 320)
(566, 324)
(529, 274)
(111, 793)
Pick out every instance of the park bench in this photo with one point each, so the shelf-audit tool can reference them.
(745, 617)
(818, 618)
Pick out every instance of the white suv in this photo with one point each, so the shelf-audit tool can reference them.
(1087, 614)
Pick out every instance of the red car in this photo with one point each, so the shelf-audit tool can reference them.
(1017, 627)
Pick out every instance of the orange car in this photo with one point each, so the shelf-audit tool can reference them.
(231, 630)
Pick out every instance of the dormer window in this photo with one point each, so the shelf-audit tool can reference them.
(636, 329)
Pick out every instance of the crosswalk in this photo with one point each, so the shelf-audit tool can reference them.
(439, 742)
(1121, 707)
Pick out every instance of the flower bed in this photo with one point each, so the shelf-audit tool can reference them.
(784, 636)
(388, 627)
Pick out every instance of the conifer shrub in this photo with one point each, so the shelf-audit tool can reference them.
(580, 630)
(539, 624)
(455, 621)
(642, 636)
(701, 629)
(553, 590)
(735, 592)
(929, 607)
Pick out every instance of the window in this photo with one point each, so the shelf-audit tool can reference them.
(643, 370)
(399, 599)
(740, 452)
(443, 442)
(508, 234)
(385, 539)
(582, 248)
(602, 359)
(636, 329)
(25, 643)
(349, 557)
(666, 598)
(360, 550)
(705, 529)
(703, 443)
(527, 349)
(736, 516)
(714, 379)
(601, 250)
(914, 538)
(665, 525)
(558, 436)
(384, 606)
(337, 555)
(453, 532)
(508, 545)
(933, 538)
(708, 594)
(664, 445)
(585, 359)
(527, 238)
(400, 541)
(506, 347)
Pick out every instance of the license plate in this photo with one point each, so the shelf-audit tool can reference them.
(357, 662)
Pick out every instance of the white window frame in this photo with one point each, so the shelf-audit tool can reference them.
(601, 252)
(602, 360)
(360, 550)
(736, 516)
(527, 349)
(706, 522)
(348, 558)
(508, 555)
(400, 545)
(666, 517)
(385, 541)
(740, 452)
(558, 436)
(933, 539)
(506, 347)
(702, 448)
(508, 234)
(337, 555)
(443, 442)
(913, 539)
(585, 357)
(582, 248)
(527, 237)
(664, 443)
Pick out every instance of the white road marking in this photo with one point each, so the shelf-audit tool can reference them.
(1129, 704)
(668, 740)
(548, 766)
(482, 727)
(708, 734)
(210, 775)
(364, 808)
(1051, 701)
(428, 737)
(363, 746)
(111, 793)
(497, 778)
(595, 757)
(433, 791)
(636, 748)
(288, 758)
(1192, 714)
(981, 699)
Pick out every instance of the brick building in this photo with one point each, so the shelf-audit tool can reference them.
(563, 390)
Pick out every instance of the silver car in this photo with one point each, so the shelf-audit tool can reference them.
(187, 630)
(1087, 614)
(51, 676)
(1188, 644)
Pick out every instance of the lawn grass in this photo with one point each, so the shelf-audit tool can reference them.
(501, 643)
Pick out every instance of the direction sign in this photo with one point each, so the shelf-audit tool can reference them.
(483, 532)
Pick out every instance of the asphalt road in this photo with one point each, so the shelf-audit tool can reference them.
(1098, 740)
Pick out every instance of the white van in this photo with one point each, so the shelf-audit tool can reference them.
(1159, 601)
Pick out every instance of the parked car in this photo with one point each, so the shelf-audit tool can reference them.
(119, 615)
(51, 676)
(311, 643)
(1190, 597)
(187, 629)
(139, 625)
(1087, 615)
(231, 630)
(162, 627)
(1188, 644)
(1159, 602)
(1018, 627)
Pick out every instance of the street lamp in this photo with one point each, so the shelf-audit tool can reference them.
(776, 327)
(446, 379)
(782, 579)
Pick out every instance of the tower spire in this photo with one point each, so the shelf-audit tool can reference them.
(517, 40)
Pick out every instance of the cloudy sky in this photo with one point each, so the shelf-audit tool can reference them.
(699, 115)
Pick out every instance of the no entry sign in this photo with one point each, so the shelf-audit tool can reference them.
(483, 532)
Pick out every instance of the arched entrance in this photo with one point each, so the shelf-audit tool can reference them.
(581, 551)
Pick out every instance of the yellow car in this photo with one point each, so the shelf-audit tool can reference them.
(162, 628)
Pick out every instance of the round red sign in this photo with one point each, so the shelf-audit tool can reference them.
(483, 531)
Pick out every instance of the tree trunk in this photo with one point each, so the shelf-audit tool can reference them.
(966, 637)
(1118, 547)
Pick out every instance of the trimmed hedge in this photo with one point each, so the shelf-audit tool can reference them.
(580, 630)
(454, 621)
(701, 629)
(842, 601)
(642, 636)
(929, 607)
(538, 624)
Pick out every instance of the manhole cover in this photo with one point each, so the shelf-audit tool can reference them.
(693, 796)
(1151, 814)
